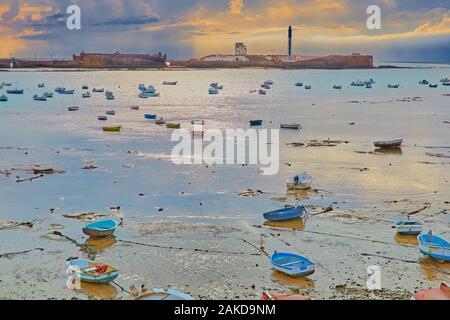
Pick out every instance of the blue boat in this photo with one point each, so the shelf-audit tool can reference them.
(292, 264)
(255, 123)
(91, 271)
(285, 214)
(15, 91)
(434, 246)
(150, 116)
(103, 228)
(161, 294)
(102, 118)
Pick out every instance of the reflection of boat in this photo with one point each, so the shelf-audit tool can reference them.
(408, 226)
(283, 296)
(393, 151)
(173, 125)
(300, 181)
(441, 293)
(389, 143)
(90, 271)
(102, 228)
(300, 282)
(434, 246)
(405, 239)
(292, 264)
(99, 291)
(285, 214)
(294, 126)
(295, 224)
(161, 294)
(368, 86)
(112, 129)
(256, 122)
(100, 244)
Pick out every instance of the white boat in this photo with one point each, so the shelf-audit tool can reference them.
(213, 90)
(294, 126)
(86, 95)
(408, 226)
(160, 121)
(395, 143)
(301, 181)
(37, 98)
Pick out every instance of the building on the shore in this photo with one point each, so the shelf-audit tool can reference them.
(240, 49)
(119, 60)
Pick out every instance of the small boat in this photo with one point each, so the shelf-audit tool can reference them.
(160, 121)
(109, 95)
(213, 90)
(167, 295)
(134, 107)
(395, 143)
(442, 293)
(15, 91)
(173, 125)
(111, 113)
(170, 83)
(358, 83)
(284, 296)
(263, 92)
(3, 98)
(308, 87)
(73, 108)
(368, 86)
(445, 80)
(86, 95)
(68, 92)
(424, 82)
(143, 95)
(149, 89)
(337, 87)
(370, 81)
(294, 126)
(216, 86)
(408, 226)
(393, 86)
(41, 85)
(285, 214)
(90, 271)
(433, 85)
(48, 95)
(150, 116)
(447, 83)
(268, 82)
(255, 123)
(301, 181)
(198, 122)
(266, 86)
(85, 87)
(292, 264)
(102, 118)
(112, 129)
(7, 84)
(434, 246)
(100, 90)
(299, 84)
(37, 98)
(102, 228)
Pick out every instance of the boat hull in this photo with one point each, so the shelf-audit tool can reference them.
(77, 266)
(292, 265)
(434, 247)
(285, 214)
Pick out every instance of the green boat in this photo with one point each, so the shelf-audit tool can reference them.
(112, 129)
(173, 125)
(3, 99)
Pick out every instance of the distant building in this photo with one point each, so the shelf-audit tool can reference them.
(119, 60)
(240, 49)
(224, 58)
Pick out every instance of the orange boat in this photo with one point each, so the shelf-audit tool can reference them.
(283, 296)
(442, 293)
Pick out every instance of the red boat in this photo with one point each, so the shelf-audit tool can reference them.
(442, 293)
(283, 296)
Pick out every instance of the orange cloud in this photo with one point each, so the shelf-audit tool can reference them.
(236, 6)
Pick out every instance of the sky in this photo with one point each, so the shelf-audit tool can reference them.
(411, 30)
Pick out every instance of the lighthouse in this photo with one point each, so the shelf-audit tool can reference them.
(290, 41)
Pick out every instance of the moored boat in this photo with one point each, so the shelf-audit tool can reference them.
(102, 118)
(48, 95)
(103, 228)
(73, 108)
(269, 82)
(262, 92)
(299, 84)
(301, 181)
(337, 87)
(166, 295)
(433, 85)
(160, 121)
(3, 98)
(294, 126)
(358, 83)
(41, 85)
(98, 90)
(134, 107)
(86, 95)
(308, 87)
(38, 98)
(285, 214)
(170, 83)
(85, 87)
(442, 293)
(408, 226)
(255, 123)
(112, 129)
(91, 271)
(447, 83)
(173, 125)
(434, 246)
(393, 86)
(213, 90)
(292, 264)
(445, 80)
(426, 82)
(150, 116)
(110, 113)
(15, 91)
(395, 143)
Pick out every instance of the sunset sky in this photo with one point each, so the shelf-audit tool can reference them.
(412, 30)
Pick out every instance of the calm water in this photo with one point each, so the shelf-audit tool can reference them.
(44, 133)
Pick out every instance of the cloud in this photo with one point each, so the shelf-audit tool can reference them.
(236, 6)
(12, 12)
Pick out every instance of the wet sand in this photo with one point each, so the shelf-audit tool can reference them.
(191, 222)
